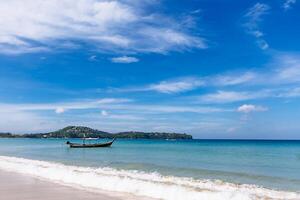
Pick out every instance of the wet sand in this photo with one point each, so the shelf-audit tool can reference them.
(14, 186)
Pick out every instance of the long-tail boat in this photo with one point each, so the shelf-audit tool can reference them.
(84, 145)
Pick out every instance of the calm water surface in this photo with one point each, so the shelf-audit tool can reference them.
(272, 164)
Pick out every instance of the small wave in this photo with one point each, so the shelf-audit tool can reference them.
(139, 183)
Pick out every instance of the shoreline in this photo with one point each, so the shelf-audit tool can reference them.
(57, 180)
(37, 180)
(14, 186)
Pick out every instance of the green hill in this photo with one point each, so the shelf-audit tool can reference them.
(81, 131)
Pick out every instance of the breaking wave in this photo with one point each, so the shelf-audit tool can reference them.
(139, 183)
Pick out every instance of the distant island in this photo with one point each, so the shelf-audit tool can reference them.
(81, 131)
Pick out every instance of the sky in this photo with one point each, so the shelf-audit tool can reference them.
(217, 69)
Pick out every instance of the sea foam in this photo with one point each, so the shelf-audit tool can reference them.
(151, 185)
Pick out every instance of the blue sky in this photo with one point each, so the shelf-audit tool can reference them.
(214, 69)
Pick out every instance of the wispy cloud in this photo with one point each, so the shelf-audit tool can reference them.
(233, 79)
(231, 96)
(175, 109)
(291, 92)
(107, 114)
(171, 86)
(93, 58)
(61, 107)
(109, 104)
(24, 120)
(223, 97)
(288, 4)
(106, 25)
(247, 108)
(125, 59)
(283, 69)
(124, 117)
(60, 110)
(253, 18)
(176, 86)
(288, 68)
(184, 84)
(104, 113)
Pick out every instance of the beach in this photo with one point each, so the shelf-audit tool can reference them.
(149, 100)
(15, 186)
(152, 169)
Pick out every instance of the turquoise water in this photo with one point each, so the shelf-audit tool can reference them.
(271, 164)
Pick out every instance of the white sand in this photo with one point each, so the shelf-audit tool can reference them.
(15, 186)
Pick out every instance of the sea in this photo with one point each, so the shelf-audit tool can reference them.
(164, 169)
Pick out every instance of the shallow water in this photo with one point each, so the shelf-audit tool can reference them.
(191, 166)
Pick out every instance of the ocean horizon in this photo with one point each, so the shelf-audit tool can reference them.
(208, 91)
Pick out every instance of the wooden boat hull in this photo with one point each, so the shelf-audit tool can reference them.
(76, 145)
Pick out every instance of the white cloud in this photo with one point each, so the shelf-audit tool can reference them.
(262, 44)
(61, 107)
(294, 92)
(227, 97)
(283, 69)
(126, 117)
(113, 100)
(59, 110)
(176, 86)
(175, 109)
(25, 121)
(222, 97)
(113, 26)
(113, 105)
(233, 79)
(93, 58)
(125, 59)
(288, 4)
(247, 108)
(172, 86)
(288, 68)
(104, 113)
(253, 17)
(36, 118)
(168, 38)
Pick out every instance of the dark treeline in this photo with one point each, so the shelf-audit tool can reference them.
(81, 131)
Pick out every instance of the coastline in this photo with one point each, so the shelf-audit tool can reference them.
(34, 178)
(15, 186)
